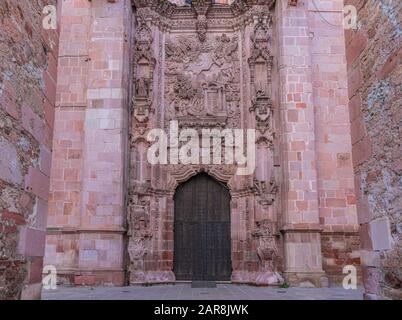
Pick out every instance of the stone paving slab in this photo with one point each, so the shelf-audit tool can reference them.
(185, 292)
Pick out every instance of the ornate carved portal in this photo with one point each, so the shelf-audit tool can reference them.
(207, 67)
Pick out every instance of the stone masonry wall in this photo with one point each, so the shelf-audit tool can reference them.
(317, 149)
(86, 223)
(28, 61)
(337, 200)
(374, 55)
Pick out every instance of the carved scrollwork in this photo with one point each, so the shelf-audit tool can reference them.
(266, 191)
(138, 219)
(144, 64)
(260, 62)
(267, 249)
(201, 8)
(182, 173)
(202, 27)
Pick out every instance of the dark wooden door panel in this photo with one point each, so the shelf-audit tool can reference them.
(202, 248)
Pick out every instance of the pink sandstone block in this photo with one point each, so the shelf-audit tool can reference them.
(380, 233)
(45, 159)
(37, 183)
(31, 242)
(9, 163)
(41, 214)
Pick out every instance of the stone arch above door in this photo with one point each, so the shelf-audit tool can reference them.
(202, 230)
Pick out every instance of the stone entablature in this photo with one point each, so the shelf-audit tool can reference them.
(202, 15)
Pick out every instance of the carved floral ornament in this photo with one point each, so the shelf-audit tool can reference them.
(200, 14)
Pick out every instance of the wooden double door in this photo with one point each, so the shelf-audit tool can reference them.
(202, 241)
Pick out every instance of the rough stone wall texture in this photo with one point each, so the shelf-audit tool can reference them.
(28, 62)
(86, 208)
(374, 57)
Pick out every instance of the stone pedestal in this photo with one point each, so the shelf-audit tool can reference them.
(303, 266)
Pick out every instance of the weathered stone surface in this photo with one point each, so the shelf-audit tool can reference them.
(373, 51)
(27, 60)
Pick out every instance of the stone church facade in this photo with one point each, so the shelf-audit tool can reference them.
(78, 96)
(127, 67)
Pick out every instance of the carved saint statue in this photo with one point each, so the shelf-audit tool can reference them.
(142, 87)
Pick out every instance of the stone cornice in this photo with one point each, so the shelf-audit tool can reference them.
(202, 15)
(170, 10)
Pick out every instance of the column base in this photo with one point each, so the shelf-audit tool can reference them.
(91, 278)
(32, 292)
(306, 279)
(151, 277)
(266, 278)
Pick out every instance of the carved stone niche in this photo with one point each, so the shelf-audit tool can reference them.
(260, 63)
(144, 65)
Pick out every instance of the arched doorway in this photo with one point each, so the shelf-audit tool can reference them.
(202, 242)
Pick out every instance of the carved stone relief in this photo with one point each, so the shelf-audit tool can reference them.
(144, 64)
(138, 218)
(202, 79)
(260, 63)
(267, 252)
(205, 78)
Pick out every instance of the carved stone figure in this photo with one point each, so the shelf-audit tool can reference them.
(201, 8)
(262, 107)
(202, 79)
(144, 63)
(225, 47)
(142, 87)
(202, 27)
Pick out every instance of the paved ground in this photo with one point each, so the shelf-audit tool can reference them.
(185, 292)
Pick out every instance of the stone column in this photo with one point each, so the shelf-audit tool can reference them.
(301, 227)
(337, 209)
(87, 209)
(104, 155)
(63, 223)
